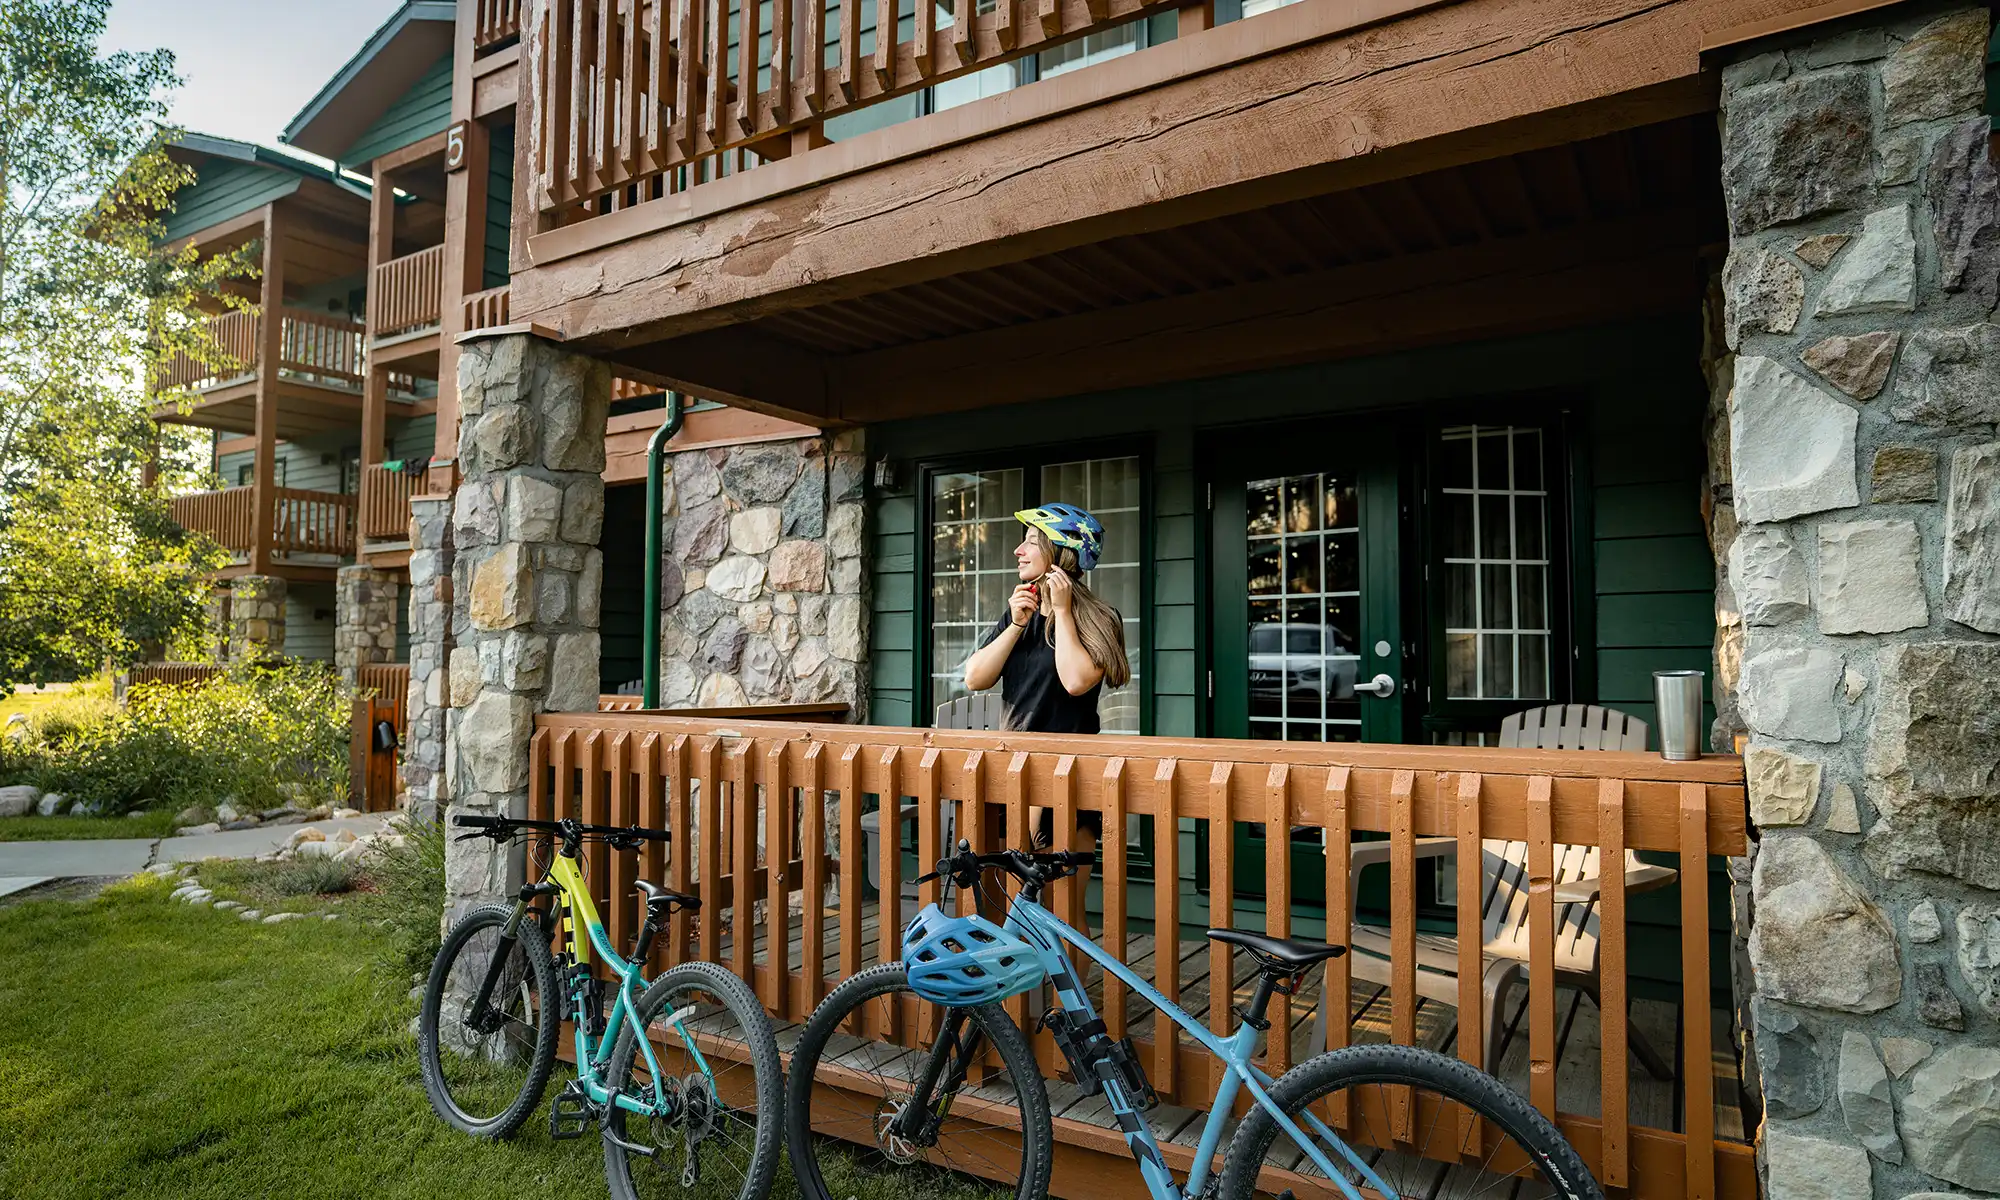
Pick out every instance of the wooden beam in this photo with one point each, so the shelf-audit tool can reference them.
(743, 368)
(496, 85)
(406, 156)
(235, 230)
(1060, 167)
(625, 441)
(270, 342)
(464, 237)
(1642, 266)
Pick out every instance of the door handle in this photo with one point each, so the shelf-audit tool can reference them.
(1383, 686)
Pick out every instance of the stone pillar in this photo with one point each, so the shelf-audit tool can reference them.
(364, 628)
(526, 580)
(765, 589)
(1864, 482)
(430, 646)
(256, 618)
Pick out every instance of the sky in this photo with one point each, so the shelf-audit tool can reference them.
(247, 66)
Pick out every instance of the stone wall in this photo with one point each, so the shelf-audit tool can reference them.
(1862, 540)
(256, 618)
(763, 589)
(430, 645)
(526, 579)
(364, 628)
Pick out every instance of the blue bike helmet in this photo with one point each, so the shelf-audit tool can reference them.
(966, 960)
(1069, 527)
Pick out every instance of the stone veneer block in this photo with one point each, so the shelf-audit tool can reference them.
(1951, 1117)
(1964, 192)
(1940, 72)
(1857, 365)
(1797, 147)
(1782, 788)
(1816, 1170)
(1789, 693)
(1819, 941)
(1903, 475)
(1794, 445)
(1768, 575)
(1931, 752)
(1864, 1098)
(1950, 378)
(1979, 953)
(1878, 273)
(1972, 538)
(1763, 293)
(1869, 577)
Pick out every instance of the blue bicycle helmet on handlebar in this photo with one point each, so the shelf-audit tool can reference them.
(967, 960)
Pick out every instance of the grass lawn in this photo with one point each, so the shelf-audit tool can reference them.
(152, 1050)
(154, 824)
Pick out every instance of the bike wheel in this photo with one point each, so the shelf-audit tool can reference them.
(994, 1127)
(1522, 1155)
(727, 1091)
(485, 1073)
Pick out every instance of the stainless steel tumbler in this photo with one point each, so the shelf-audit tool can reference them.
(1678, 695)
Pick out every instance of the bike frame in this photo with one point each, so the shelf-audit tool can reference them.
(591, 1061)
(1047, 933)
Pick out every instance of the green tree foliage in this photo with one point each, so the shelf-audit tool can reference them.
(91, 565)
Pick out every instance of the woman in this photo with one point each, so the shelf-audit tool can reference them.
(1057, 646)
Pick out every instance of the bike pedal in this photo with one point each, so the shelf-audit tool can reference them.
(571, 1115)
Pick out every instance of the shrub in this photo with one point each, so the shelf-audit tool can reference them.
(408, 894)
(317, 877)
(260, 736)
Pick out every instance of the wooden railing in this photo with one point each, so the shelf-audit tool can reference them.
(385, 499)
(405, 293)
(627, 93)
(487, 309)
(317, 346)
(495, 21)
(306, 522)
(727, 778)
(224, 516)
(170, 674)
(390, 684)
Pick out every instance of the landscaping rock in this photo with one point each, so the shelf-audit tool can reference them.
(19, 800)
(226, 812)
(1818, 940)
(281, 918)
(340, 814)
(341, 837)
(250, 914)
(1878, 273)
(319, 849)
(1951, 1117)
(50, 804)
(193, 814)
(241, 823)
(227, 905)
(200, 830)
(1864, 1098)
(352, 852)
(80, 809)
(304, 834)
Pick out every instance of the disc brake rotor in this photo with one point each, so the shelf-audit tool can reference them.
(894, 1146)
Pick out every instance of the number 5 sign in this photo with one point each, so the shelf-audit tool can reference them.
(454, 147)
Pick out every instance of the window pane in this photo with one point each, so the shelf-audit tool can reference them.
(1302, 565)
(973, 536)
(1266, 576)
(1496, 665)
(1302, 501)
(1343, 562)
(1491, 527)
(1262, 513)
(1496, 528)
(1109, 489)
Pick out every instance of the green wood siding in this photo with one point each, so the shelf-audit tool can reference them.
(224, 189)
(301, 463)
(420, 112)
(499, 206)
(309, 610)
(414, 438)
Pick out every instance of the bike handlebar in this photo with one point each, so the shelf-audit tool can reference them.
(1034, 869)
(501, 829)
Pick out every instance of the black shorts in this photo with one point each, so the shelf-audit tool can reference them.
(1085, 819)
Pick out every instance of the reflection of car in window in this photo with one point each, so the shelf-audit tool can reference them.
(1308, 663)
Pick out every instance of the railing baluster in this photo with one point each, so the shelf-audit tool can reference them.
(928, 850)
(742, 889)
(1066, 899)
(1278, 902)
(1471, 943)
(1541, 947)
(682, 850)
(1402, 937)
(1612, 1010)
(1016, 796)
(1221, 901)
(777, 862)
(1336, 985)
(620, 922)
(1166, 923)
(853, 854)
(812, 852)
(1112, 847)
(849, 65)
(707, 779)
(1698, 1052)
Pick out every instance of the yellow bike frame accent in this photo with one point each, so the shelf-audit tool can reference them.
(581, 906)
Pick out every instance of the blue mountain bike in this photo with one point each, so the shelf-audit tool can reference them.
(947, 1107)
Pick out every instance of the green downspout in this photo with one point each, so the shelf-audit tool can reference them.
(656, 471)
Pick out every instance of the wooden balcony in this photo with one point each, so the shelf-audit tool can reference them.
(494, 22)
(319, 376)
(816, 922)
(404, 294)
(308, 525)
(385, 503)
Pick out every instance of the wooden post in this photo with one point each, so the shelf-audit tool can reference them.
(270, 342)
(464, 239)
(375, 382)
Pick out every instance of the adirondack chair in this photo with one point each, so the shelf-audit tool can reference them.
(1504, 899)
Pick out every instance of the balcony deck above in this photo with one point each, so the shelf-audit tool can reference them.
(319, 377)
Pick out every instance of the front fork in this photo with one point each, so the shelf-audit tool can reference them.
(950, 1061)
(481, 1014)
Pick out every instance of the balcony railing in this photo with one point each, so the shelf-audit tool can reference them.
(405, 293)
(495, 21)
(635, 99)
(799, 887)
(306, 522)
(315, 346)
(385, 503)
(487, 309)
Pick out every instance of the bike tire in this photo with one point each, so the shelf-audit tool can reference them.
(888, 980)
(1562, 1173)
(769, 1088)
(543, 1025)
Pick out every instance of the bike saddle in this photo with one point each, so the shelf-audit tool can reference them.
(1284, 956)
(660, 899)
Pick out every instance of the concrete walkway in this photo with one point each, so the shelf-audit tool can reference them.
(37, 862)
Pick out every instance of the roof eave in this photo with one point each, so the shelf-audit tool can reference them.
(342, 110)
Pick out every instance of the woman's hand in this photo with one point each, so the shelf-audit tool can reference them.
(1059, 592)
(1023, 604)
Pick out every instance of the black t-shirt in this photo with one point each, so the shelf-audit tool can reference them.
(1032, 696)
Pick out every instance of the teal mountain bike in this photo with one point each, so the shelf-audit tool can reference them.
(680, 1076)
(947, 1107)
